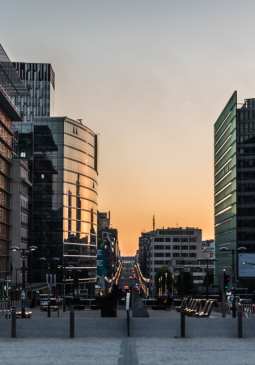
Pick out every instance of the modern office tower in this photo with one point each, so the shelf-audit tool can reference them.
(175, 248)
(39, 79)
(234, 139)
(10, 85)
(62, 160)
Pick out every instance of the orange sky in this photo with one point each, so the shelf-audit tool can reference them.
(151, 77)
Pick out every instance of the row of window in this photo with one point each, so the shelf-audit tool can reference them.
(175, 247)
(162, 254)
(246, 139)
(159, 262)
(176, 233)
(245, 127)
(175, 239)
(245, 115)
(246, 163)
(246, 188)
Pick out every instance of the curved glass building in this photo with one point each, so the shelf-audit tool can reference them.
(62, 158)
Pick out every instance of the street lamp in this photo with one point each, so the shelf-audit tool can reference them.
(172, 285)
(48, 260)
(23, 294)
(207, 260)
(240, 249)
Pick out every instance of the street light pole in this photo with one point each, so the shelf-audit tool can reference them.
(207, 279)
(233, 275)
(23, 294)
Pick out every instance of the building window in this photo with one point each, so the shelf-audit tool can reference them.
(159, 239)
(168, 254)
(184, 255)
(185, 239)
(192, 239)
(168, 239)
(168, 262)
(192, 255)
(185, 247)
(159, 262)
(158, 254)
(175, 254)
(176, 239)
(176, 247)
(158, 247)
(167, 247)
(192, 247)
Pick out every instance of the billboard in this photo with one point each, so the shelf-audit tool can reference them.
(246, 265)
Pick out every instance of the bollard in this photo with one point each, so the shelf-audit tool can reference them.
(182, 322)
(71, 322)
(13, 322)
(239, 319)
(128, 323)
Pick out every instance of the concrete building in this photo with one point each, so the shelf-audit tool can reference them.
(234, 186)
(10, 85)
(174, 248)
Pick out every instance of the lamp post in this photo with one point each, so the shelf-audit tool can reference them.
(172, 285)
(48, 260)
(17, 283)
(240, 249)
(23, 294)
(207, 260)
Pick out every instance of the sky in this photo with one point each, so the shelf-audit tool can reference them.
(151, 78)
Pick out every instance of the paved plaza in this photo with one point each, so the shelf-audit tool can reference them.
(153, 340)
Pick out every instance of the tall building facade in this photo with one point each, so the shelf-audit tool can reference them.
(39, 79)
(19, 217)
(234, 184)
(10, 86)
(62, 160)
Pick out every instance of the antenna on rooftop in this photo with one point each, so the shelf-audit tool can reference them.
(153, 223)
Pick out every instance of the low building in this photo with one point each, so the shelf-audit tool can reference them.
(174, 248)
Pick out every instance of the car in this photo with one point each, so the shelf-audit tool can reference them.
(230, 300)
(245, 301)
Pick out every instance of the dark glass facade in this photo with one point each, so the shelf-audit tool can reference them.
(62, 155)
(235, 183)
(39, 78)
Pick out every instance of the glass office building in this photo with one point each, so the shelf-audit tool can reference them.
(234, 183)
(62, 159)
(39, 79)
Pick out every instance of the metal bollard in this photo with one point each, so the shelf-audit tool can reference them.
(13, 322)
(182, 322)
(72, 322)
(239, 319)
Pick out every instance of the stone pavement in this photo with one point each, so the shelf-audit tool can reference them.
(142, 351)
(154, 340)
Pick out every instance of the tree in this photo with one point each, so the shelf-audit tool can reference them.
(161, 273)
(184, 283)
(210, 278)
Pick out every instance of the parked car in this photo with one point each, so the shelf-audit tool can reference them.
(245, 301)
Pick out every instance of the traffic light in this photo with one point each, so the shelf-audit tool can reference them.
(225, 281)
